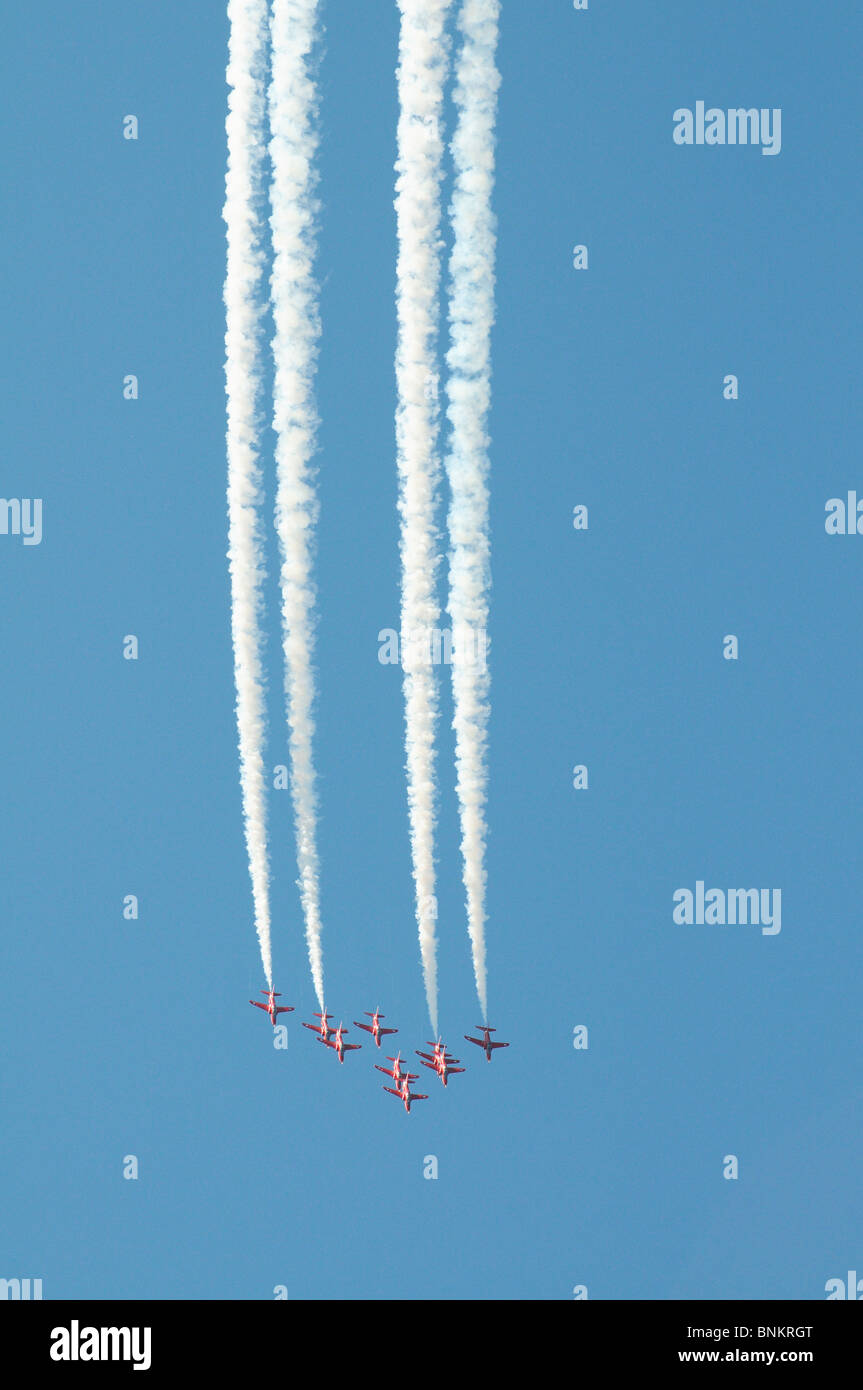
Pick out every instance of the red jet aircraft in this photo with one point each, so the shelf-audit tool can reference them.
(440, 1061)
(322, 1029)
(340, 1047)
(374, 1027)
(395, 1071)
(485, 1042)
(404, 1092)
(271, 1007)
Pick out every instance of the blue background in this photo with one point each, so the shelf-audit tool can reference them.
(556, 1167)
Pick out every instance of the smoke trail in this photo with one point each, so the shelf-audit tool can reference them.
(469, 390)
(293, 147)
(421, 75)
(245, 77)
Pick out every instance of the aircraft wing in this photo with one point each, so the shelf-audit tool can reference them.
(387, 1030)
(494, 1044)
(326, 1042)
(392, 1092)
(351, 1047)
(259, 1006)
(426, 1055)
(366, 1027)
(478, 1042)
(452, 1070)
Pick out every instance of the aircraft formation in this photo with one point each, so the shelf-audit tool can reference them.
(438, 1060)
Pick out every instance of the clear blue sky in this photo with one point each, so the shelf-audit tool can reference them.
(557, 1167)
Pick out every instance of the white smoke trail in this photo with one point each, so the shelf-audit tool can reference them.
(243, 183)
(469, 391)
(293, 147)
(421, 75)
